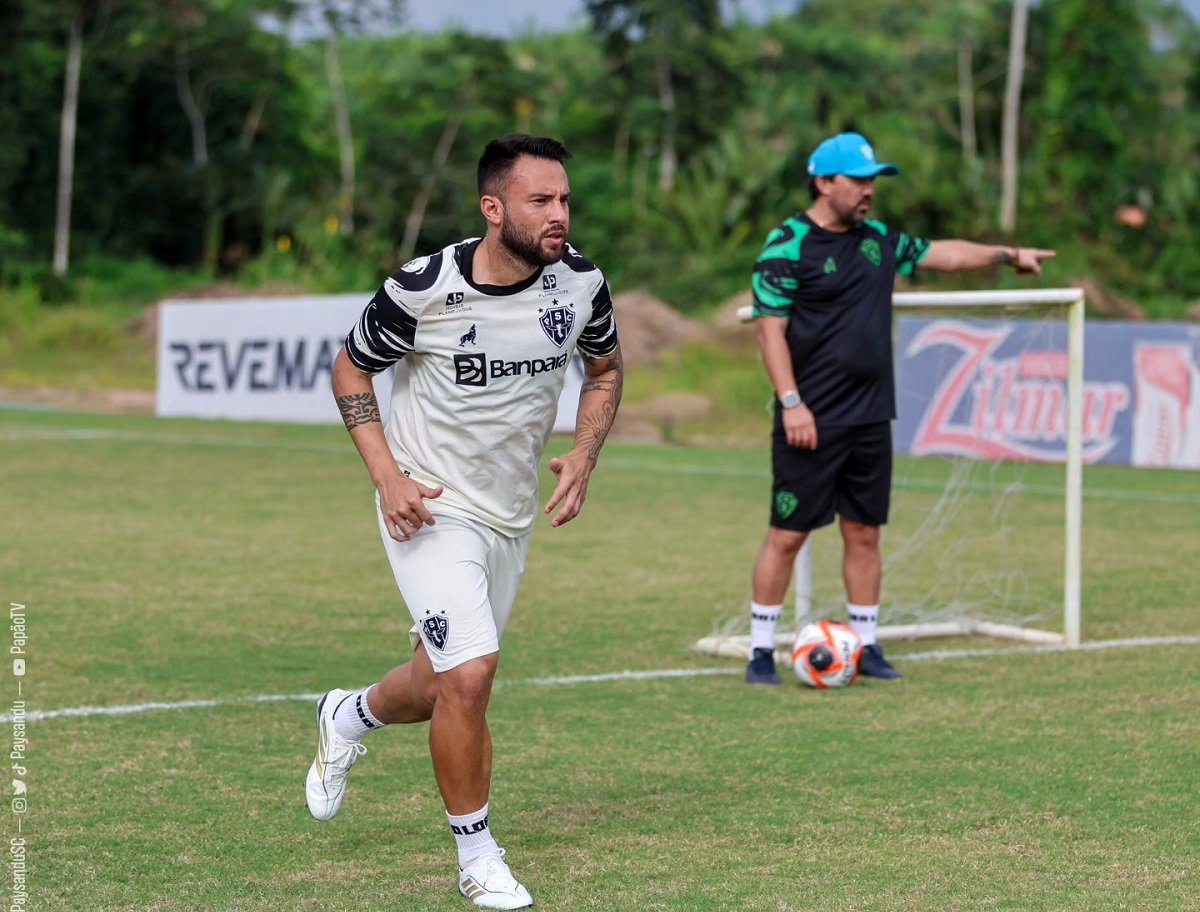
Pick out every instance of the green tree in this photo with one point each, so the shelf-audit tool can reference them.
(669, 50)
(1097, 134)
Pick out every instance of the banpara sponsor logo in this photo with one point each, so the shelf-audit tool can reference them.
(478, 369)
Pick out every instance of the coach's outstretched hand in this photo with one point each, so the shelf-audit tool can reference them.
(1028, 260)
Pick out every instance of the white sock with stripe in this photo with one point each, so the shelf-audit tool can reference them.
(473, 835)
(864, 619)
(353, 718)
(763, 620)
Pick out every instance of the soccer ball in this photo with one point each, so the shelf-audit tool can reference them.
(826, 653)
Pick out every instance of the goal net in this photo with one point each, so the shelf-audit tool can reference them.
(984, 536)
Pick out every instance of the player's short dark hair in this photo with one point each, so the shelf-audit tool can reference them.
(500, 154)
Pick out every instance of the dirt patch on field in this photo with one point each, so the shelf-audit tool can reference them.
(108, 401)
(650, 328)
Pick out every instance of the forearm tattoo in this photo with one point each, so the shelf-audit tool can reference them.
(358, 409)
(595, 421)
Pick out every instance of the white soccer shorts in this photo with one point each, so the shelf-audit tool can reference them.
(459, 579)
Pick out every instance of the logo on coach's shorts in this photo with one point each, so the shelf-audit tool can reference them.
(470, 370)
(436, 630)
(786, 503)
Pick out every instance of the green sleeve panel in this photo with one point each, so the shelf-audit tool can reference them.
(909, 250)
(774, 280)
(909, 253)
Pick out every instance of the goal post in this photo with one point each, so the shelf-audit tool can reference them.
(731, 641)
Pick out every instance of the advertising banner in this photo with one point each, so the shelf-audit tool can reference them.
(997, 389)
(269, 359)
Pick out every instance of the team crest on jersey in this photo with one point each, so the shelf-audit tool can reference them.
(871, 250)
(436, 630)
(557, 323)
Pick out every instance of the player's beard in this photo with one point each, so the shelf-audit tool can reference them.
(526, 246)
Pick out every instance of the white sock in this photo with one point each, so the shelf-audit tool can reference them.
(763, 619)
(352, 719)
(473, 836)
(864, 619)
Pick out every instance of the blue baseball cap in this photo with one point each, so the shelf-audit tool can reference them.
(849, 154)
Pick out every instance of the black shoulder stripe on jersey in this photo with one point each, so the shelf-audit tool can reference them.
(384, 334)
(599, 337)
(577, 262)
(365, 362)
(419, 274)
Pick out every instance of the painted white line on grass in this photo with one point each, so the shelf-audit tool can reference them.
(559, 681)
(32, 434)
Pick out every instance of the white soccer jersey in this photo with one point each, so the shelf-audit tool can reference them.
(474, 403)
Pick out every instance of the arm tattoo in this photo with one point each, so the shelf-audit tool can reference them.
(358, 409)
(1005, 256)
(594, 423)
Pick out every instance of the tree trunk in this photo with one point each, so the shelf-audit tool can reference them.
(966, 98)
(191, 109)
(341, 115)
(66, 146)
(668, 158)
(416, 214)
(253, 119)
(195, 117)
(1012, 116)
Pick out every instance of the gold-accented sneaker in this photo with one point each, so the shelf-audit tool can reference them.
(488, 882)
(326, 783)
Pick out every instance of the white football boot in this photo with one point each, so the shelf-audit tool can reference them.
(488, 882)
(326, 782)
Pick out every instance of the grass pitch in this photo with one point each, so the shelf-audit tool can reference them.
(237, 567)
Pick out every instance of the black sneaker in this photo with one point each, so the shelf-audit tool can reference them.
(761, 669)
(872, 664)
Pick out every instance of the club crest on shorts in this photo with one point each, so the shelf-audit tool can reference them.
(786, 503)
(436, 630)
(557, 322)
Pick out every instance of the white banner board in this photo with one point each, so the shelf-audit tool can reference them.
(269, 359)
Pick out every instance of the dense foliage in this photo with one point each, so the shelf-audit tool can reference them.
(220, 136)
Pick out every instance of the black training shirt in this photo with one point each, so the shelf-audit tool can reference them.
(835, 289)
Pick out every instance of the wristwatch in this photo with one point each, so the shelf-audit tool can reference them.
(790, 399)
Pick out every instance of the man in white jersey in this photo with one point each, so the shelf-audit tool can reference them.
(486, 329)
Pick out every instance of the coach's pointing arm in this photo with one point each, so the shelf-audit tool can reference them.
(960, 256)
(401, 500)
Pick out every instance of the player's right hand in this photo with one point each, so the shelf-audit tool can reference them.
(402, 503)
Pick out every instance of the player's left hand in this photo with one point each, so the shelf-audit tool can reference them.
(573, 470)
(1029, 260)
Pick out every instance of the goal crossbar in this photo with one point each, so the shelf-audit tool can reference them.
(1073, 300)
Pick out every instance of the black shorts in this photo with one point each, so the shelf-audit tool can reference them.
(849, 474)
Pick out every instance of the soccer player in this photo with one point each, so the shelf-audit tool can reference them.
(485, 330)
(823, 307)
